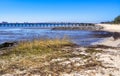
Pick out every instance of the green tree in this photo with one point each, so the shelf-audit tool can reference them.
(117, 20)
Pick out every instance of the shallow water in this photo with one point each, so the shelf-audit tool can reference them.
(82, 38)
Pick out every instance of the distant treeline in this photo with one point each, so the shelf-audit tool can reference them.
(115, 21)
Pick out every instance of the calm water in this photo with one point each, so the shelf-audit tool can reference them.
(17, 34)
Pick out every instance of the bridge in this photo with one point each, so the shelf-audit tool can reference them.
(44, 25)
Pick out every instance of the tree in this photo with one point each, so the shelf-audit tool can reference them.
(117, 20)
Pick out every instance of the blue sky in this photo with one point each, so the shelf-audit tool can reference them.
(59, 10)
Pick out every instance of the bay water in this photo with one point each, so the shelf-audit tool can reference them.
(79, 37)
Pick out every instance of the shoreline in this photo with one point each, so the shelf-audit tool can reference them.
(114, 40)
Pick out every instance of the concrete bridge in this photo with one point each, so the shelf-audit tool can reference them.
(44, 25)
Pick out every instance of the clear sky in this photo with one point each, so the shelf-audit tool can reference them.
(59, 10)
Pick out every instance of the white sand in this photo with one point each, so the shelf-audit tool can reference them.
(110, 27)
(112, 56)
(110, 41)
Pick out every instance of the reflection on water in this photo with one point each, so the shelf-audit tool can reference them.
(17, 34)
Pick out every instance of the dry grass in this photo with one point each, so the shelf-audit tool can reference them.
(92, 51)
(35, 57)
(31, 54)
(38, 47)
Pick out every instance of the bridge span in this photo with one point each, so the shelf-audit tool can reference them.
(44, 25)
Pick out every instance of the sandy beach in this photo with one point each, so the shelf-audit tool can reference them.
(109, 57)
(110, 27)
(110, 41)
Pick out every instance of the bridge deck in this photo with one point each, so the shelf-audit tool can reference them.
(45, 25)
